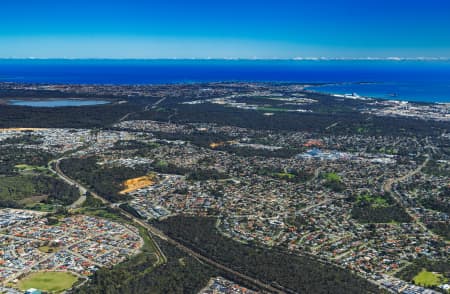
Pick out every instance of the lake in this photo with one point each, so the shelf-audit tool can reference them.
(56, 102)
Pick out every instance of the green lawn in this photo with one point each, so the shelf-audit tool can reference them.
(376, 201)
(426, 278)
(26, 167)
(48, 281)
(285, 175)
(332, 177)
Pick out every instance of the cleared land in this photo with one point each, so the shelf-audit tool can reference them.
(48, 281)
(137, 183)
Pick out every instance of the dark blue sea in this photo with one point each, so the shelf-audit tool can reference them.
(427, 81)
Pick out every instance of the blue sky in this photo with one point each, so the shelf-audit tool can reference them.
(224, 29)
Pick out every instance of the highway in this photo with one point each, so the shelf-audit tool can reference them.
(66, 179)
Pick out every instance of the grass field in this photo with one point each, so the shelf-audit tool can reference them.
(288, 176)
(48, 281)
(48, 249)
(26, 167)
(16, 187)
(376, 201)
(40, 207)
(426, 278)
(332, 177)
(100, 213)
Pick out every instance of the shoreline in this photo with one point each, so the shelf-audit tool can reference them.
(311, 87)
(358, 96)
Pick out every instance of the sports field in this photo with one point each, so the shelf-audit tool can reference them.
(48, 281)
(426, 278)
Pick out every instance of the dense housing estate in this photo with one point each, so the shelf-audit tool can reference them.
(345, 190)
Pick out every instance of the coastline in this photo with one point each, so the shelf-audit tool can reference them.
(414, 81)
(355, 90)
(417, 92)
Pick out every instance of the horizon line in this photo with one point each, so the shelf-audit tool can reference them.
(391, 58)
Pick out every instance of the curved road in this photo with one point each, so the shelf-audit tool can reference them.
(69, 181)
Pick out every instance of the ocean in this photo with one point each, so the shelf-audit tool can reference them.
(427, 81)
